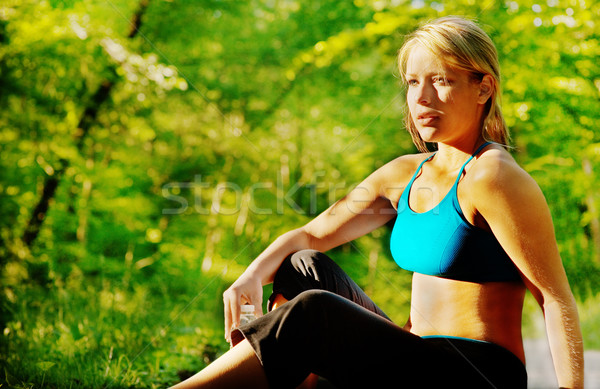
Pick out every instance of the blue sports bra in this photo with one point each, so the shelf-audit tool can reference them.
(441, 242)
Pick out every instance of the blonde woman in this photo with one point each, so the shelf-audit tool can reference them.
(470, 223)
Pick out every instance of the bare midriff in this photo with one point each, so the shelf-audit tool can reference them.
(489, 311)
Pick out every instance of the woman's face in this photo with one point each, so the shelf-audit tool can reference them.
(444, 103)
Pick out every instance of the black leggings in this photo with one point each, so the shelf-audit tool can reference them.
(331, 328)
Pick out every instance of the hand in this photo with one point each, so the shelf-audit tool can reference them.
(245, 290)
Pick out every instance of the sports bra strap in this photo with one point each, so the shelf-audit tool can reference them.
(469, 160)
(406, 191)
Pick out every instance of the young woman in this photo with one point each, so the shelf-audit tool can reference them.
(472, 225)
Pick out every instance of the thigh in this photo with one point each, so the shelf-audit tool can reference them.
(323, 333)
(311, 269)
(359, 349)
(477, 364)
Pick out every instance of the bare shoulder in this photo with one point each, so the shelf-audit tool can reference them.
(392, 177)
(496, 173)
(403, 165)
(401, 168)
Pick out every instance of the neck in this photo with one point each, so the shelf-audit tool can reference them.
(456, 154)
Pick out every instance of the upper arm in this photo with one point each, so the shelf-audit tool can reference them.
(515, 209)
(364, 209)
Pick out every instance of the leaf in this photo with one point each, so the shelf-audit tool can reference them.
(45, 366)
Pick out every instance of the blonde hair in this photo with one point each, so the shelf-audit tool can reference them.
(463, 45)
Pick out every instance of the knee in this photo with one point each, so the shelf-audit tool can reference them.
(297, 273)
(313, 295)
(306, 309)
(304, 257)
(314, 307)
(315, 300)
(301, 263)
(310, 263)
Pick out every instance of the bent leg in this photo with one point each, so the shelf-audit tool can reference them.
(311, 269)
(352, 347)
(323, 333)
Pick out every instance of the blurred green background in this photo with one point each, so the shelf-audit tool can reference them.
(150, 149)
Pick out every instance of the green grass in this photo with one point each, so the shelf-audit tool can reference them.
(122, 329)
(96, 332)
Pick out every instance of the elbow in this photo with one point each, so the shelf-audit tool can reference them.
(313, 239)
(561, 297)
(564, 308)
(298, 239)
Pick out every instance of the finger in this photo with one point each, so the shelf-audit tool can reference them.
(227, 312)
(234, 305)
(257, 302)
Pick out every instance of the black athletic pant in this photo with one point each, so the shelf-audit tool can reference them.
(330, 327)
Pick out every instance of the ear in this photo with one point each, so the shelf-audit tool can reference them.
(486, 88)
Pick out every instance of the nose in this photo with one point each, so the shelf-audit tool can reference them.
(423, 94)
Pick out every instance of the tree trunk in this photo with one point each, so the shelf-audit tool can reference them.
(136, 19)
(39, 212)
(87, 120)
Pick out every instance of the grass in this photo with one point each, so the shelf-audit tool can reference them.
(96, 332)
(145, 330)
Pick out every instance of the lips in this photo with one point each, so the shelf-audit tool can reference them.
(427, 115)
(427, 119)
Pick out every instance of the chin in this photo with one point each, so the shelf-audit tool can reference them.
(428, 134)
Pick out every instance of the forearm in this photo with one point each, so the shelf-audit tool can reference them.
(266, 264)
(566, 345)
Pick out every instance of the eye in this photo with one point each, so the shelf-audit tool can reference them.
(441, 80)
(412, 82)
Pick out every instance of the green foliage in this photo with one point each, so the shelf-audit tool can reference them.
(181, 142)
